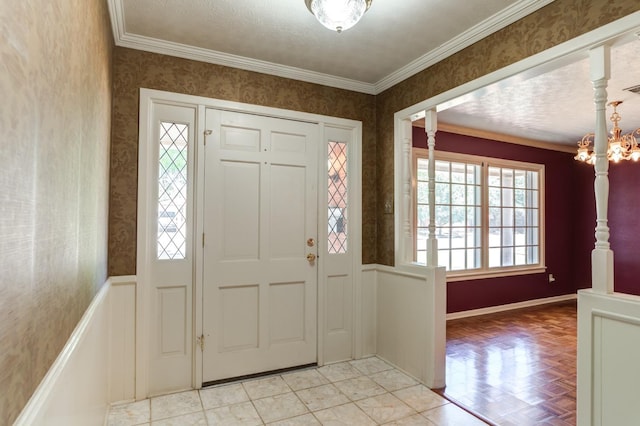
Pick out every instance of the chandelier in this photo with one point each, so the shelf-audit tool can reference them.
(620, 147)
(338, 15)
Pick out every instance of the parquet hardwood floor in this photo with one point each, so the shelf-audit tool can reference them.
(516, 367)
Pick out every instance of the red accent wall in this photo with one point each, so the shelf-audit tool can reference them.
(569, 214)
(624, 209)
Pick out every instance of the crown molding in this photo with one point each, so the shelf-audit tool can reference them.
(500, 137)
(179, 50)
(505, 17)
(518, 10)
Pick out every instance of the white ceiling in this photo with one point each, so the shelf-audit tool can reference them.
(394, 40)
(556, 106)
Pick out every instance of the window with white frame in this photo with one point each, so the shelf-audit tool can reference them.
(488, 213)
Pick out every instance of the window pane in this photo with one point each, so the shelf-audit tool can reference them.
(458, 215)
(337, 197)
(473, 174)
(443, 238)
(423, 169)
(423, 215)
(443, 259)
(494, 176)
(507, 178)
(422, 236)
(507, 256)
(512, 232)
(474, 237)
(507, 217)
(507, 237)
(521, 256)
(532, 255)
(507, 197)
(473, 216)
(458, 194)
(442, 171)
(495, 216)
(473, 195)
(458, 239)
(495, 237)
(494, 257)
(442, 193)
(532, 199)
(458, 260)
(521, 217)
(520, 178)
(442, 216)
(473, 258)
(494, 197)
(172, 191)
(423, 192)
(532, 180)
(458, 172)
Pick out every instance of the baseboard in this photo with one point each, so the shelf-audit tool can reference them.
(510, 306)
(56, 394)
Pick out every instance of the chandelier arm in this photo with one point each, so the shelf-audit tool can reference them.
(619, 146)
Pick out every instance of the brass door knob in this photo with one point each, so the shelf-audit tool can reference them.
(311, 257)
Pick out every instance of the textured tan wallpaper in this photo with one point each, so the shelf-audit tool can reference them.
(55, 86)
(558, 22)
(135, 69)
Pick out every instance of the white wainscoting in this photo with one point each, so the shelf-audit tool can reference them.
(122, 339)
(608, 359)
(369, 310)
(411, 322)
(94, 368)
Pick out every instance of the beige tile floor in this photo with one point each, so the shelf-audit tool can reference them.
(363, 392)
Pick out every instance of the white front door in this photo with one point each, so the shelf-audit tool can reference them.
(260, 224)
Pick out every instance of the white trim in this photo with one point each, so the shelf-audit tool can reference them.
(179, 50)
(355, 199)
(500, 20)
(143, 257)
(511, 306)
(198, 274)
(147, 98)
(122, 338)
(39, 405)
(484, 270)
(501, 137)
(534, 65)
(607, 375)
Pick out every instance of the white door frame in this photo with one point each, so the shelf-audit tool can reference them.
(621, 30)
(149, 97)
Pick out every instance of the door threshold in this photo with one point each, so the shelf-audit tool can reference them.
(256, 375)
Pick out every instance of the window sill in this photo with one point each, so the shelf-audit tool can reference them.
(468, 276)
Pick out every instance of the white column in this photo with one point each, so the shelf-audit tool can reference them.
(407, 210)
(431, 127)
(602, 255)
(436, 276)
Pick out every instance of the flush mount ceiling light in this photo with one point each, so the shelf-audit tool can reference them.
(338, 15)
(619, 147)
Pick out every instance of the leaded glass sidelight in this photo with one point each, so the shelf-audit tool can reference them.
(337, 198)
(172, 190)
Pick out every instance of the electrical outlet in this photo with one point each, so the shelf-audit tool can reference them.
(388, 206)
(551, 278)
